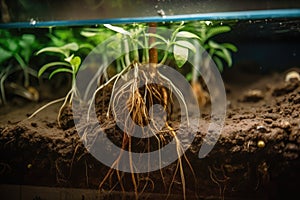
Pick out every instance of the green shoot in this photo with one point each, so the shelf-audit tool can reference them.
(15, 54)
(71, 65)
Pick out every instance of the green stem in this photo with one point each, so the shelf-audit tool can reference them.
(2, 79)
(123, 63)
(172, 42)
(126, 46)
(119, 66)
(135, 52)
(146, 50)
(166, 54)
(24, 67)
(74, 81)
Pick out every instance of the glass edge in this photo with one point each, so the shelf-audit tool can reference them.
(234, 15)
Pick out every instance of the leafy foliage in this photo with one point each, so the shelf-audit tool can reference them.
(16, 51)
(19, 49)
(70, 64)
(207, 31)
(71, 45)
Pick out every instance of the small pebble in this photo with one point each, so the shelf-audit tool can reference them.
(33, 124)
(253, 96)
(292, 76)
(285, 124)
(261, 129)
(261, 144)
(268, 121)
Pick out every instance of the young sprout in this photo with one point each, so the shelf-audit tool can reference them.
(71, 64)
(15, 54)
(219, 52)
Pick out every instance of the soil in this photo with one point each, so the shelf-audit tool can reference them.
(256, 156)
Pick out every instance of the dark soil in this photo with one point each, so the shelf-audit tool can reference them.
(256, 156)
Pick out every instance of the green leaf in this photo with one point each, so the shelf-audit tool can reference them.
(117, 29)
(156, 44)
(222, 51)
(65, 50)
(27, 44)
(87, 46)
(206, 46)
(54, 50)
(228, 58)
(180, 54)
(64, 34)
(69, 58)
(59, 70)
(218, 62)
(4, 55)
(52, 64)
(157, 36)
(28, 38)
(88, 33)
(186, 44)
(214, 45)
(186, 34)
(216, 30)
(71, 46)
(12, 45)
(230, 47)
(56, 41)
(189, 76)
(225, 54)
(75, 63)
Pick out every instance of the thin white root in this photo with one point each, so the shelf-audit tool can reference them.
(45, 106)
(117, 76)
(70, 93)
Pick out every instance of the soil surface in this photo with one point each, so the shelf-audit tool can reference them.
(256, 156)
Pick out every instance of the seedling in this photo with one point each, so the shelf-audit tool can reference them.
(219, 52)
(15, 54)
(207, 31)
(70, 65)
(145, 66)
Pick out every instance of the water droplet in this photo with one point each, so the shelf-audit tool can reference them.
(32, 22)
(156, 6)
(250, 21)
(162, 13)
(221, 23)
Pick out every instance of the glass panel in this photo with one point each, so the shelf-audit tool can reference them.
(33, 11)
